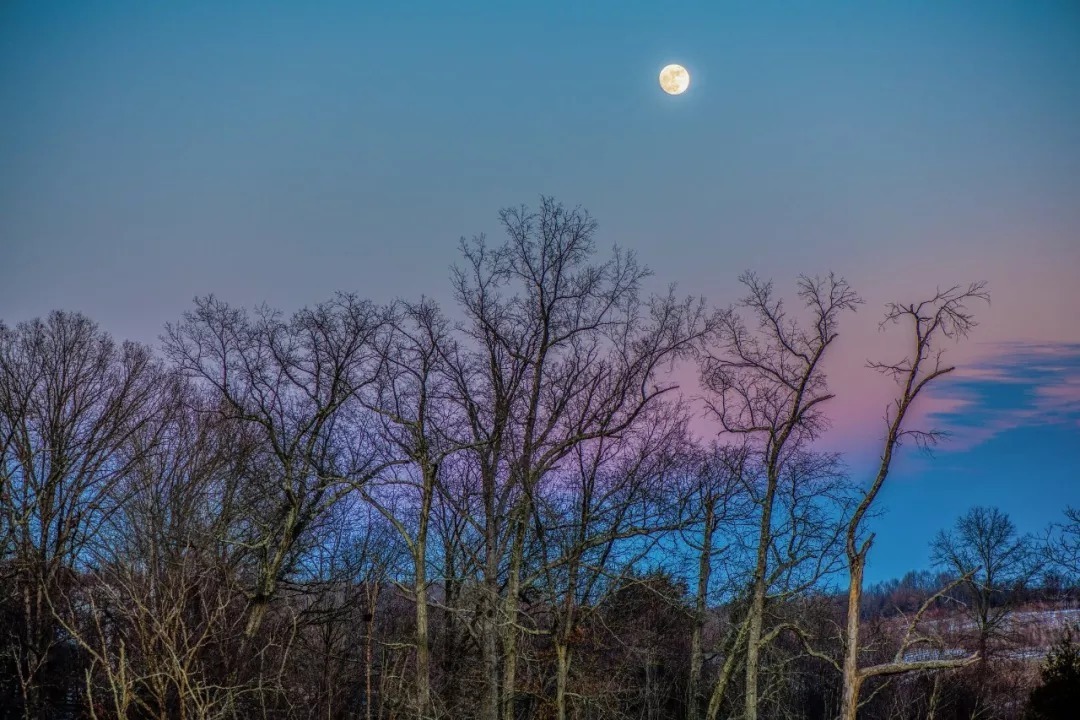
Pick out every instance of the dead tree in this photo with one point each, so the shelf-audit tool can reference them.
(944, 317)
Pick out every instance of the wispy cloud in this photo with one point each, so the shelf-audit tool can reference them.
(1015, 385)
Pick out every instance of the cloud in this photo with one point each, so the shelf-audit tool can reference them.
(1014, 385)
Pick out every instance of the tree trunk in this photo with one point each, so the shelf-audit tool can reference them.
(490, 624)
(852, 678)
(931, 711)
(423, 646)
(728, 671)
(268, 573)
(850, 703)
(757, 601)
(697, 654)
(256, 612)
(562, 678)
(509, 619)
(369, 649)
(491, 661)
(423, 650)
(693, 685)
(452, 641)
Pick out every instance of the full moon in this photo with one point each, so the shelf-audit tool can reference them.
(674, 79)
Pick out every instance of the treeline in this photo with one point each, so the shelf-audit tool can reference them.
(388, 511)
(1042, 588)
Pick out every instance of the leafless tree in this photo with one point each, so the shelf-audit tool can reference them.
(995, 565)
(1062, 546)
(805, 547)
(995, 561)
(71, 401)
(595, 520)
(715, 500)
(767, 385)
(558, 352)
(411, 397)
(944, 317)
(293, 385)
(341, 644)
(803, 550)
(378, 511)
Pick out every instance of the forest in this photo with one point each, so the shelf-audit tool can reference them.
(503, 508)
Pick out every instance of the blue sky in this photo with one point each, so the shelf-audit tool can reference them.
(1014, 422)
(278, 152)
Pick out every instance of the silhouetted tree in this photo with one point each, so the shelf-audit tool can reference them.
(1062, 546)
(72, 405)
(995, 561)
(557, 351)
(292, 384)
(944, 317)
(767, 384)
(377, 511)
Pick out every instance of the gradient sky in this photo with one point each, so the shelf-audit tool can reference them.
(151, 152)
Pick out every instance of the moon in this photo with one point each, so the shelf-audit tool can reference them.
(674, 79)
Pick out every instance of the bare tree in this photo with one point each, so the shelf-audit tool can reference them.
(944, 317)
(411, 397)
(768, 386)
(1062, 547)
(714, 499)
(347, 572)
(572, 358)
(803, 549)
(379, 511)
(812, 498)
(994, 560)
(292, 385)
(456, 562)
(71, 402)
(595, 521)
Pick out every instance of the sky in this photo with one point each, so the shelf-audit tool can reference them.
(278, 152)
